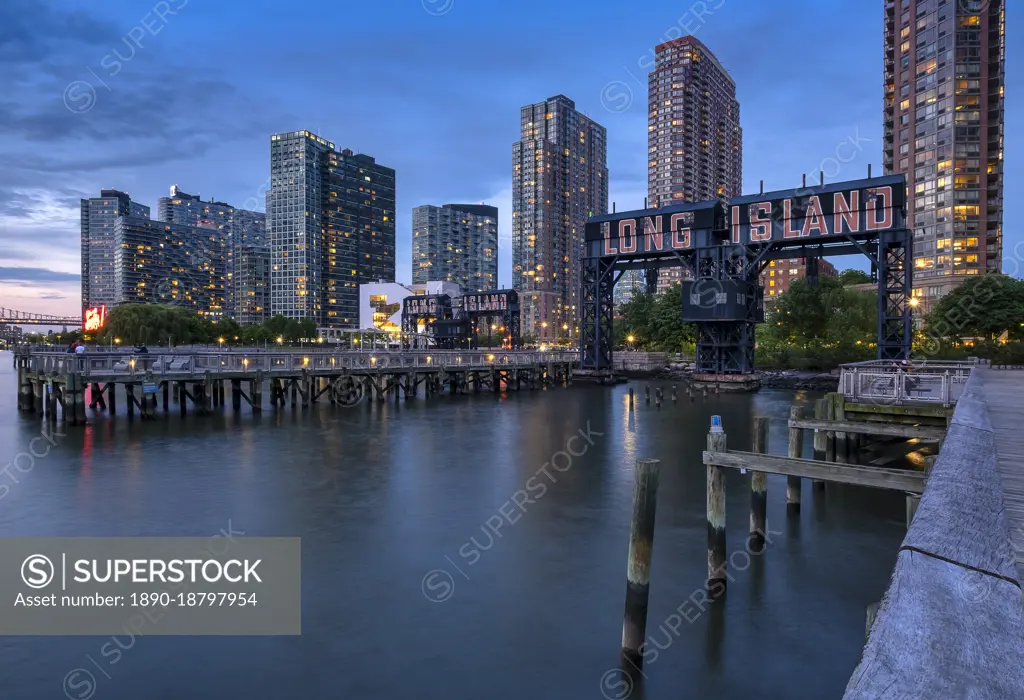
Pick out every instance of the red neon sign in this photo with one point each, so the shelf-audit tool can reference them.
(94, 318)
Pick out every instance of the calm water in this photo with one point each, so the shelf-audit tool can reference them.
(383, 494)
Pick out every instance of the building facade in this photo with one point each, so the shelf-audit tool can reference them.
(250, 291)
(98, 218)
(166, 263)
(330, 227)
(456, 243)
(380, 303)
(780, 274)
(559, 180)
(239, 227)
(943, 119)
(694, 139)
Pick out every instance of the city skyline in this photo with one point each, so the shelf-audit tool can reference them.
(447, 153)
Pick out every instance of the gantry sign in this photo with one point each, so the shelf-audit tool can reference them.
(723, 246)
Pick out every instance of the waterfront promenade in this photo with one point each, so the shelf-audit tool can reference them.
(950, 625)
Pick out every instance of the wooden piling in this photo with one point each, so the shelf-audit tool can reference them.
(675, 394)
(630, 398)
(842, 439)
(220, 391)
(181, 392)
(79, 401)
(759, 489)
(913, 501)
(51, 401)
(638, 564)
(167, 392)
(37, 397)
(830, 435)
(25, 395)
(256, 392)
(796, 447)
(716, 512)
(647, 393)
(129, 392)
(236, 395)
(820, 437)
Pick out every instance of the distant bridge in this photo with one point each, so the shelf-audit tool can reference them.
(14, 317)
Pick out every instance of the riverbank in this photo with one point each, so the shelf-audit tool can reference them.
(794, 380)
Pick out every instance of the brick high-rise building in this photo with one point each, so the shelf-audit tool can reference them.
(780, 274)
(694, 139)
(559, 180)
(943, 114)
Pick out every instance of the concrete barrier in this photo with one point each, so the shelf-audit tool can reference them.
(950, 625)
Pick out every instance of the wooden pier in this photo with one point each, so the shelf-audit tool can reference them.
(48, 380)
(951, 624)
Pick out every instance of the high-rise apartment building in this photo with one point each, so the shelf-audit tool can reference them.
(456, 243)
(191, 210)
(239, 227)
(694, 139)
(166, 263)
(251, 293)
(98, 217)
(330, 227)
(559, 180)
(943, 117)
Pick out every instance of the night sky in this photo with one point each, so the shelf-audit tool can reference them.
(430, 88)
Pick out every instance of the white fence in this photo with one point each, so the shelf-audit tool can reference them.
(889, 382)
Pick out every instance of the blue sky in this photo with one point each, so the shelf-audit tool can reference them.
(431, 88)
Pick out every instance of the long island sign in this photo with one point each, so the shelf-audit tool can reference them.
(858, 209)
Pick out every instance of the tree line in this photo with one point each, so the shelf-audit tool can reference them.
(821, 326)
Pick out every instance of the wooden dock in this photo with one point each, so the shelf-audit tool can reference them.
(1004, 394)
(55, 383)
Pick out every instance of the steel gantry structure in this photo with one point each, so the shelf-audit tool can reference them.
(724, 245)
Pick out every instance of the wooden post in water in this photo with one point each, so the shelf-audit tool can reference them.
(51, 401)
(129, 392)
(236, 395)
(716, 512)
(647, 393)
(167, 397)
(842, 440)
(79, 400)
(675, 394)
(820, 437)
(759, 489)
(913, 501)
(256, 393)
(25, 393)
(630, 398)
(796, 447)
(112, 398)
(638, 565)
(830, 435)
(179, 390)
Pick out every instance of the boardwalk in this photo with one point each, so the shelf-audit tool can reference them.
(1004, 394)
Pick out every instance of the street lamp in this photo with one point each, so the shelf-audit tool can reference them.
(630, 339)
(280, 340)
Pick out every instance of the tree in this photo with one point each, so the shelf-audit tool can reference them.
(655, 322)
(985, 306)
(851, 277)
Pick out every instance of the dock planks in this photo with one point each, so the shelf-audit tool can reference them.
(1004, 395)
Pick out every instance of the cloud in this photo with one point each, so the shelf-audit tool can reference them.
(33, 275)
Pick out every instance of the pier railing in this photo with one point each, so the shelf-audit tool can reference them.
(130, 364)
(885, 381)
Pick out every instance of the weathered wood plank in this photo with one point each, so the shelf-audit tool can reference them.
(925, 432)
(856, 475)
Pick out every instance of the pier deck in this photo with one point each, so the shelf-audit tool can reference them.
(1004, 394)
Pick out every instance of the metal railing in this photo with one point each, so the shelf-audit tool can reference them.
(197, 363)
(894, 382)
